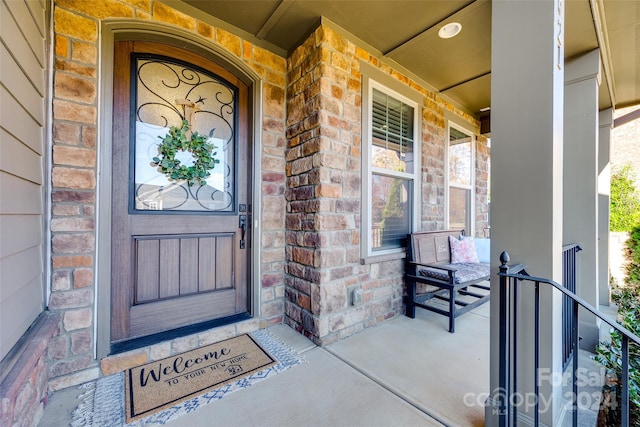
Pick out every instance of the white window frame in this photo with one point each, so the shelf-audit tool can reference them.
(368, 170)
(471, 186)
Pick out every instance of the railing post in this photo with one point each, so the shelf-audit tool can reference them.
(503, 376)
(569, 265)
(624, 386)
(574, 346)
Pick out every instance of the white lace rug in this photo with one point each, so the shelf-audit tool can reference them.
(103, 400)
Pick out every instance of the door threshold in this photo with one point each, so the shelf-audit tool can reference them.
(135, 343)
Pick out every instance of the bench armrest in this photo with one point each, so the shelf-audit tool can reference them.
(441, 273)
(438, 266)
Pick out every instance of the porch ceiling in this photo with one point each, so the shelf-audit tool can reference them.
(406, 31)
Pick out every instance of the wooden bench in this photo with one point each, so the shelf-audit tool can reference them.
(429, 266)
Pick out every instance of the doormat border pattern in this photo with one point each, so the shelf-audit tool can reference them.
(103, 401)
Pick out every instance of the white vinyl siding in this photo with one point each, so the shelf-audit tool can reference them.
(23, 62)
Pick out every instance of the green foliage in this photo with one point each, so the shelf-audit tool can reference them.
(632, 252)
(610, 356)
(198, 146)
(393, 208)
(625, 200)
(627, 298)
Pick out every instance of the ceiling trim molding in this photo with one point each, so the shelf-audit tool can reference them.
(187, 9)
(392, 63)
(470, 79)
(461, 122)
(600, 25)
(468, 8)
(305, 36)
(273, 19)
(371, 72)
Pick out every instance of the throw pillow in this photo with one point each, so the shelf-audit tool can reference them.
(483, 248)
(462, 250)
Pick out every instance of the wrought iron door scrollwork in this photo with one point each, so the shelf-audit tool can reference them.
(160, 83)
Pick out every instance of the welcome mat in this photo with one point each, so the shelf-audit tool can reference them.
(163, 383)
(102, 402)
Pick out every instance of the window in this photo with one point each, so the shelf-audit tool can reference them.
(460, 155)
(390, 162)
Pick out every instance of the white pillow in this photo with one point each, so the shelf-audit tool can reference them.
(462, 250)
(483, 249)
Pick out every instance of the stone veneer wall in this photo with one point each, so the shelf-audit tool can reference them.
(324, 264)
(433, 167)
(75, 148)
(323, 194)
(483, 155)
(315, 160)
(24, 379)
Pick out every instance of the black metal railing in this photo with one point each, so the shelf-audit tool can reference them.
(513, 278)
(569, 269)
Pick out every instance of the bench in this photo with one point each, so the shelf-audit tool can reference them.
(429, 266)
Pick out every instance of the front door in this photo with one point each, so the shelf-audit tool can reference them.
(180, 213)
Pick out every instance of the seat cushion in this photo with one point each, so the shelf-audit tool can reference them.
(433, 273)
(465, 272)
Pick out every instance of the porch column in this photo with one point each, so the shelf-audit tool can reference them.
(604, 200)
(527, 85)
(582, 77)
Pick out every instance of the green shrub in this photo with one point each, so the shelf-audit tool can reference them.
(609, 354)
(625, 200)
(632, 254)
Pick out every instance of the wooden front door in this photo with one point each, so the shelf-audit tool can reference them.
(179, 251)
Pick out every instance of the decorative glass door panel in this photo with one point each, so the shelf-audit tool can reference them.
(168, 93)
(179, 211)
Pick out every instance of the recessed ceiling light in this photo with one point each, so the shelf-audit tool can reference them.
(450, 30)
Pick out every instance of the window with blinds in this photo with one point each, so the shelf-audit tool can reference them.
(392, 132)
(392, 171)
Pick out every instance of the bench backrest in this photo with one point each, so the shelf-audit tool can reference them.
(429, 247)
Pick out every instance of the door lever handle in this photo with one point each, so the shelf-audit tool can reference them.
(243, 230)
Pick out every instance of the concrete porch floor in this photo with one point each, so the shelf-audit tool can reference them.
(403, 372)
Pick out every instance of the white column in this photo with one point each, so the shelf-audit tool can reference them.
(582, 78)
(527, 87)
(604, 200)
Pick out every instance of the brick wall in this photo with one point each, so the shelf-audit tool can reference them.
(74, 173)
(323, 190)
(23, 390)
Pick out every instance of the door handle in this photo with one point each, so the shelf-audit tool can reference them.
(243, 230)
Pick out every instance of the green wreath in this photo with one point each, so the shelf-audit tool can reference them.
(200, 149)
